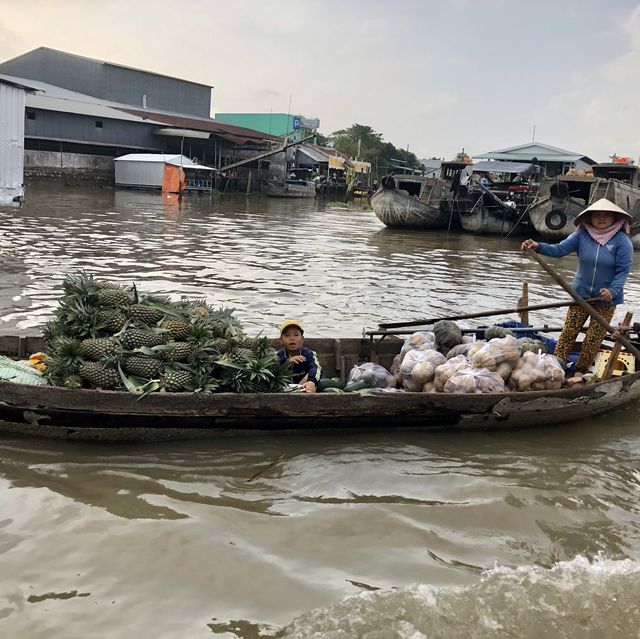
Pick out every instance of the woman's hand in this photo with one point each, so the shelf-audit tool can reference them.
(605, 294)
(529, 244)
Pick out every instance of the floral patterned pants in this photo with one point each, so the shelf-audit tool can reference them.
(576, 317)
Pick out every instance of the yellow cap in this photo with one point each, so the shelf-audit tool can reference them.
(287, 323)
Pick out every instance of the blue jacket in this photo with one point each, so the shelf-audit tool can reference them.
(310, 366)
(599, 266)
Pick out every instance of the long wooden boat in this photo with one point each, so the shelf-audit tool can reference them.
(49, 411)
(560, 200)
(290, 188)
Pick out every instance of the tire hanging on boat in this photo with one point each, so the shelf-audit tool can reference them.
(555, 219)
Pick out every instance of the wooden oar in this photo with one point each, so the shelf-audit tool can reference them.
(583, 303)
(617, 347)
(502, 311)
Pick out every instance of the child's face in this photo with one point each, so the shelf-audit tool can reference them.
(291, 338)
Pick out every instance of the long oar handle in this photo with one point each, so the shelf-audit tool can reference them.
(498, 311)
(583, 303)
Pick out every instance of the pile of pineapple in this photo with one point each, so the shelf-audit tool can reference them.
(111, 337)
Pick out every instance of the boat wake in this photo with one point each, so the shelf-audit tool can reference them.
(573, 599)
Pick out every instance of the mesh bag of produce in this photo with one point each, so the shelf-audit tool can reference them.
(473, 380)
(448, 335)
(447, 370)
(536, 372)
(418, 341)
(373, 375)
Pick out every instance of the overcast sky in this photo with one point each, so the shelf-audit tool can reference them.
(434, 75)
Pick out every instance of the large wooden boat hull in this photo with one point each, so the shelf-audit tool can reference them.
(49, 411)
(396, 208)
(490, 221)
(289, 190)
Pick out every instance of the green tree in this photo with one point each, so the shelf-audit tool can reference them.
(383, 156)
(358, 136)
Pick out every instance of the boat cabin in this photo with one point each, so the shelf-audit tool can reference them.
(627, 173)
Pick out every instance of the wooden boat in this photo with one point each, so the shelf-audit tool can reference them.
(418, 201)
(560, 200)
(290, 188)
(49, 411)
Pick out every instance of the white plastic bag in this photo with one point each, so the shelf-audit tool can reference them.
(418, 341)
(536, 372)
(447, 370)
(419, 367)
(373, 375)
(473, 380)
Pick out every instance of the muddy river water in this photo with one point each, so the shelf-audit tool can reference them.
(509, 534)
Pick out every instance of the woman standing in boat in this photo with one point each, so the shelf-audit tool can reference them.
(605, 255)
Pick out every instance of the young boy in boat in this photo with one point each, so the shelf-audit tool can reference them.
(304, 362)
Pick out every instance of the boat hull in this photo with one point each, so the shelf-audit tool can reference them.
(49, 411)
(396, 208)
(484, 220)
(289, 190)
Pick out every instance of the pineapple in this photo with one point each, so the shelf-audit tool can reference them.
(98, 348)
(142, 366)
(178, 329)
(178, 351)
(176, 381)
(65, 359)
(100, 375)
(113, 297)
(137, 337)
(145, 314)
(111, 321)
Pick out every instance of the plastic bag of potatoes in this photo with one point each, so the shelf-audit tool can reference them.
(446, 371)
(536, 372)
(473, 380)
(419, 367)
(499, 354)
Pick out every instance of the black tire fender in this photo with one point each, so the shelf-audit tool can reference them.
(555, 219)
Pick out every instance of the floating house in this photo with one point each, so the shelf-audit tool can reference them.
(171, 173)
(553, 160)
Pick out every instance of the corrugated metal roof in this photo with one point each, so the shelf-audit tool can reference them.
(165, 158)
(106, 63)
(501, 167)
(314, 154)
(530, 150)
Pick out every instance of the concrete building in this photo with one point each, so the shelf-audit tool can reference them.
(76, 132)
(554, 161)
(296, 127)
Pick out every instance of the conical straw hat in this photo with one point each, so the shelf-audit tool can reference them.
(603, 205)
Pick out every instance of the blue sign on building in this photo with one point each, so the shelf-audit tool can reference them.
(296, 123)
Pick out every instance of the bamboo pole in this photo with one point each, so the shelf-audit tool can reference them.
(583, 303)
